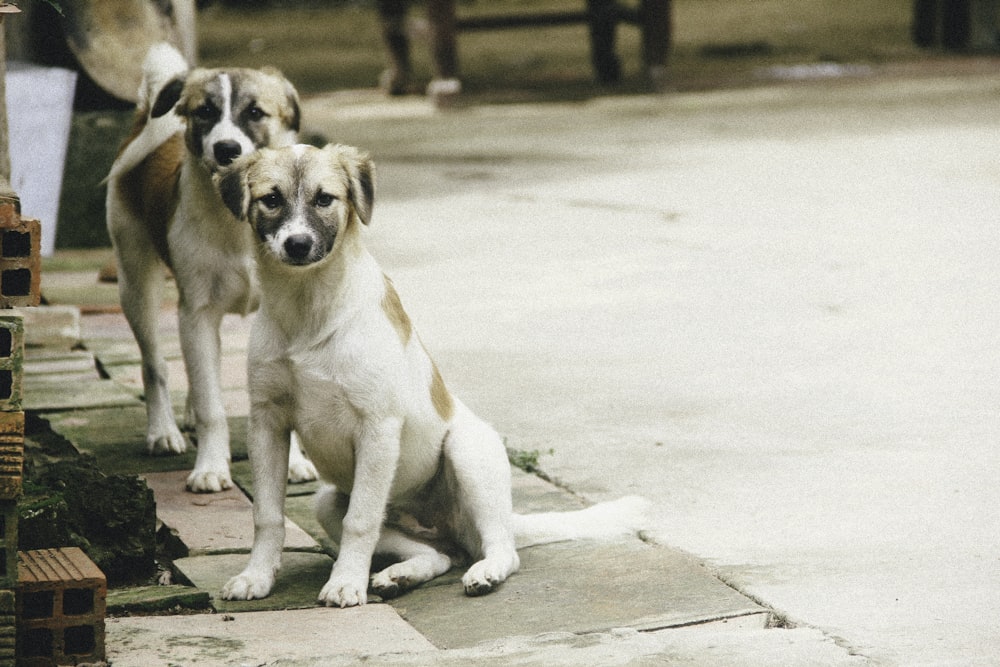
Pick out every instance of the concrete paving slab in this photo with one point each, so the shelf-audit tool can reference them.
(243, 477)
(710, 645)
(300, 580)
(301, 510)
(49, 361)
(115, 351)
(81, 289)
(212, 522)
(256, 638)
(54, 327)
(577, 587)
(48, 393)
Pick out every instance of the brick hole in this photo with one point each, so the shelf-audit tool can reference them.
(6, 384)
(78, 601)
(16, 282)
(36, 643)
(16, 244)
(6, 342)
(37, 605)
(79, 640)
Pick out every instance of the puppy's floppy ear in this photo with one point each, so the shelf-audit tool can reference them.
(234, 189)
(361, 179)
(168, 96)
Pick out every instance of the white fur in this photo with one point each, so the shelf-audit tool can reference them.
(327, 360)
(163, 62)
(226, 128)
(212, 262)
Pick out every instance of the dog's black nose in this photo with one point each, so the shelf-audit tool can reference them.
(226, 152)
(298, 247)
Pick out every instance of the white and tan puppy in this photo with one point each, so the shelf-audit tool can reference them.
(163, 210)
(333, 355)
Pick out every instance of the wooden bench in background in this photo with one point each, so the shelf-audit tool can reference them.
(652, 17)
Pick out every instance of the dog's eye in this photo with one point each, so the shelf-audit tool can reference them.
(271, 201)
(323, 200)
(205, 112)
(255, 113)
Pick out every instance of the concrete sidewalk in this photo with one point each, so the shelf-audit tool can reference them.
(771, 311)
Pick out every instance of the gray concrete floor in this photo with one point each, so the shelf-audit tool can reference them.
(772, 311)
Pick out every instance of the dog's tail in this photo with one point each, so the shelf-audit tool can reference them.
(162, 65)
(609, 521)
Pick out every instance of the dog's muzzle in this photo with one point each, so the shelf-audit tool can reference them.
(226, 151)
(298, 248)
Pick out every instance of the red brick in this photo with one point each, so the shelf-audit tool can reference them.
(20, 261)
(11, 360)
(11, 454)
(61, 601)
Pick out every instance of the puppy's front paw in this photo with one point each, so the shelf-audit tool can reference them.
(248, 586)
(168, 442)
(344, 593)
(209, 481)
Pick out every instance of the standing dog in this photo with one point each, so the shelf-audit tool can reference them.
(333, 355)
(162, 209)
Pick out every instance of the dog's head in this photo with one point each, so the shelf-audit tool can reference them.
(231, 112)
(300, 200)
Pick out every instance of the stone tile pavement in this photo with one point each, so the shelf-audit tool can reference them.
(87, 388)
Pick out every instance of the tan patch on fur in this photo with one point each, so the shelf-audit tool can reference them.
(150, 191)
(139, 121)
(440, 396)
(393, 309)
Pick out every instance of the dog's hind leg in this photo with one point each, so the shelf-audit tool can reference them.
(419, 561)
(140, 284)
(477, 462)
(300, 469)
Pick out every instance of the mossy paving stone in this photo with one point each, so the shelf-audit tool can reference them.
(116, 437)
(576, 587)
(152, 599)
(242, 475)
(301, 577)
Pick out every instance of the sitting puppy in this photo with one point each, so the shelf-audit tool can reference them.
(163, 211)
(334, 356)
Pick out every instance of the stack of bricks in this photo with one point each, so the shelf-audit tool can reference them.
(19, 277)
(52, 601)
